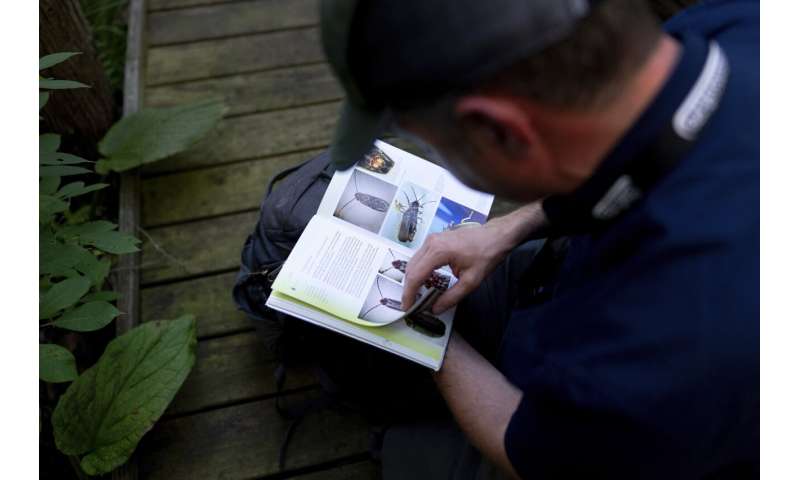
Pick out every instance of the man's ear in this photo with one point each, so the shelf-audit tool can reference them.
(496, 122)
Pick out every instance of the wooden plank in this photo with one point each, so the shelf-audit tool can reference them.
(194, 248)
(259, 135)
(156, 5)
(211, 191)
(254, 92)
(232, 369)
(207, 298)
(366, 470)
(214, 21)
(178, 63)
(243, 441)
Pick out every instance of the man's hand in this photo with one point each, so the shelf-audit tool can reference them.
(472, 254)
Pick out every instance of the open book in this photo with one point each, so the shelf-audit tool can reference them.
(347, 270)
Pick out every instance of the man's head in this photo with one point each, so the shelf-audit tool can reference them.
(512, 102)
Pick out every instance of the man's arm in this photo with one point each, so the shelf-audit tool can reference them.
(481, 399)
(472, 253)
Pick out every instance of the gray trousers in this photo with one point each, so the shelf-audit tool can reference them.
(437, 449)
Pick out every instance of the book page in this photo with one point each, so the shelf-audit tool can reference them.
(402, 198)
(339, 269)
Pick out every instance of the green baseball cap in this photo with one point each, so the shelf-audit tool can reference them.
(398, 53)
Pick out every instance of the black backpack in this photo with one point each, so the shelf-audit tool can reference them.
(353, 375)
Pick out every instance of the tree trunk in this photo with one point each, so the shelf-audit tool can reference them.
(85, 113)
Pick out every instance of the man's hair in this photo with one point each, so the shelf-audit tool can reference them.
(585, 70)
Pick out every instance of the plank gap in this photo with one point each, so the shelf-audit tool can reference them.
(243, 401)
(339, 462)
(188, 277)
(161, 173)
(234, 74)
(172, 5)
(232, 36)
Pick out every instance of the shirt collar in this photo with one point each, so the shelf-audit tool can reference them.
(651, 136)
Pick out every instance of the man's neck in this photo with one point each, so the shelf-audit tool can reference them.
(583, 139)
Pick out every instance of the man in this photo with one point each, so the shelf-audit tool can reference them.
(633, 352)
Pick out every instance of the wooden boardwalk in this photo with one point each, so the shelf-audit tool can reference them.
(264, 58)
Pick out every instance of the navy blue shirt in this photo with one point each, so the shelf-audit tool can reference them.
(645, 363)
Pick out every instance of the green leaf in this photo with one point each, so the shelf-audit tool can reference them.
(111, 242)
(49, 206)
(96, 269)
(56, 364)
(55, 58)
(56, 258)
(48, 185)
(88, 228)
(104, 296)
(62, 171)
(43, 98)
(75, 189)
(49, 142)
(60, 158)
(155, 133)
(53, 84)
(106, 411)
(88, 317)
(63, 294)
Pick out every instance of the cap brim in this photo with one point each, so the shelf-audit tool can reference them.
(355, 134)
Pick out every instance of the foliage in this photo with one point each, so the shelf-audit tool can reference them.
(108, 407)
(106, 411)
(109, 32)
(156, 133)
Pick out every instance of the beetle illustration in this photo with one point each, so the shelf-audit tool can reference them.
(412, 216)
(376, 161)
(370, 201)
(384, 301)
(437, 280)
(426, 324)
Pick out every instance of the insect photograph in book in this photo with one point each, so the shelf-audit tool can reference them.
(410, 215)
(383, 305)
(365, 201)
(394, 266)
(377, 161)
(453, 216)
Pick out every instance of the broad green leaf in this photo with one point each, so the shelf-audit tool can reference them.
(88, 317)
(49, 185)
(49, 206)
(155, 133)
(53, 84)
(75, 189)
(87, 228)
(61, 171)
(56, 258)
(60, 158)
(56, 364)
(111, 242)
(104, 296)
(106, 411)
(49, 142)
(96, 269)
(63, 294)
(55, 58)
(43, 98)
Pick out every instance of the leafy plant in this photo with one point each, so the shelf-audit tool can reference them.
(108, 407)
(107, 20)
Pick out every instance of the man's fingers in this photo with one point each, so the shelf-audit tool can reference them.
(419, 268)
(453, 295)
